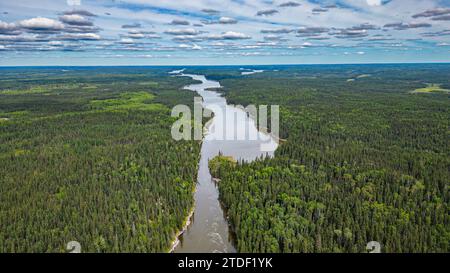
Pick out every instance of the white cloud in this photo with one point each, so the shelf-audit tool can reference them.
(8, 28)
(227, 20)
(180, 22)
(41, 23)
(4, 25)
(229, 35)
(75, 19)
(127, 41)
(136, 35)
(233, 22)
(193, 47)
(82, 36)
(55, 43)
(185, 31)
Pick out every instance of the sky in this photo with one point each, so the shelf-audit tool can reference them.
(222, 32)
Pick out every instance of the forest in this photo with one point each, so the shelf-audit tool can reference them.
(366, 158)
(86, 155)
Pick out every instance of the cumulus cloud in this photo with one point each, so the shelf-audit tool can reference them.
(9, 28)
(227, 20)
(152, 36)
(184, 46)
(432, 12)
(80, 12)
(318, 10)
(55, 43)
(350, 33)
(81, 37)
(379, 38)
(81, 29)
(268, 12)
(187, 38)
(72, 26)
(277, 31)
(185, 31)
(127, 41)
(75, 19)
(318, 38)
(180, 22)
(404, 26)
(193, 47)
(138, 34)
(311, 31)
(441, 18)
(133, 25)
(365, 26)
(436, 33)
(41, 24)
(393, 25)
(291, 4)
(229, 35)
(359, 31)
(22, 38)
(273, 37)
(210, 11)
(222, 20)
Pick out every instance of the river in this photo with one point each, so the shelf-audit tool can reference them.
(208, 231)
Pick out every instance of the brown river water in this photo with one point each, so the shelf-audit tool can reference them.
(208, 231)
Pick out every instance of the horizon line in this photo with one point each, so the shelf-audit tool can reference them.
(219, 65)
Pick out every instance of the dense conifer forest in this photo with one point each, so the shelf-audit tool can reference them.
(87, 155)
(366, 158)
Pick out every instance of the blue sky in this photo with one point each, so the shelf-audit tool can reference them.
(213, 32)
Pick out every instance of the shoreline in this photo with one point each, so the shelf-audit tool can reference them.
(188, 221)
